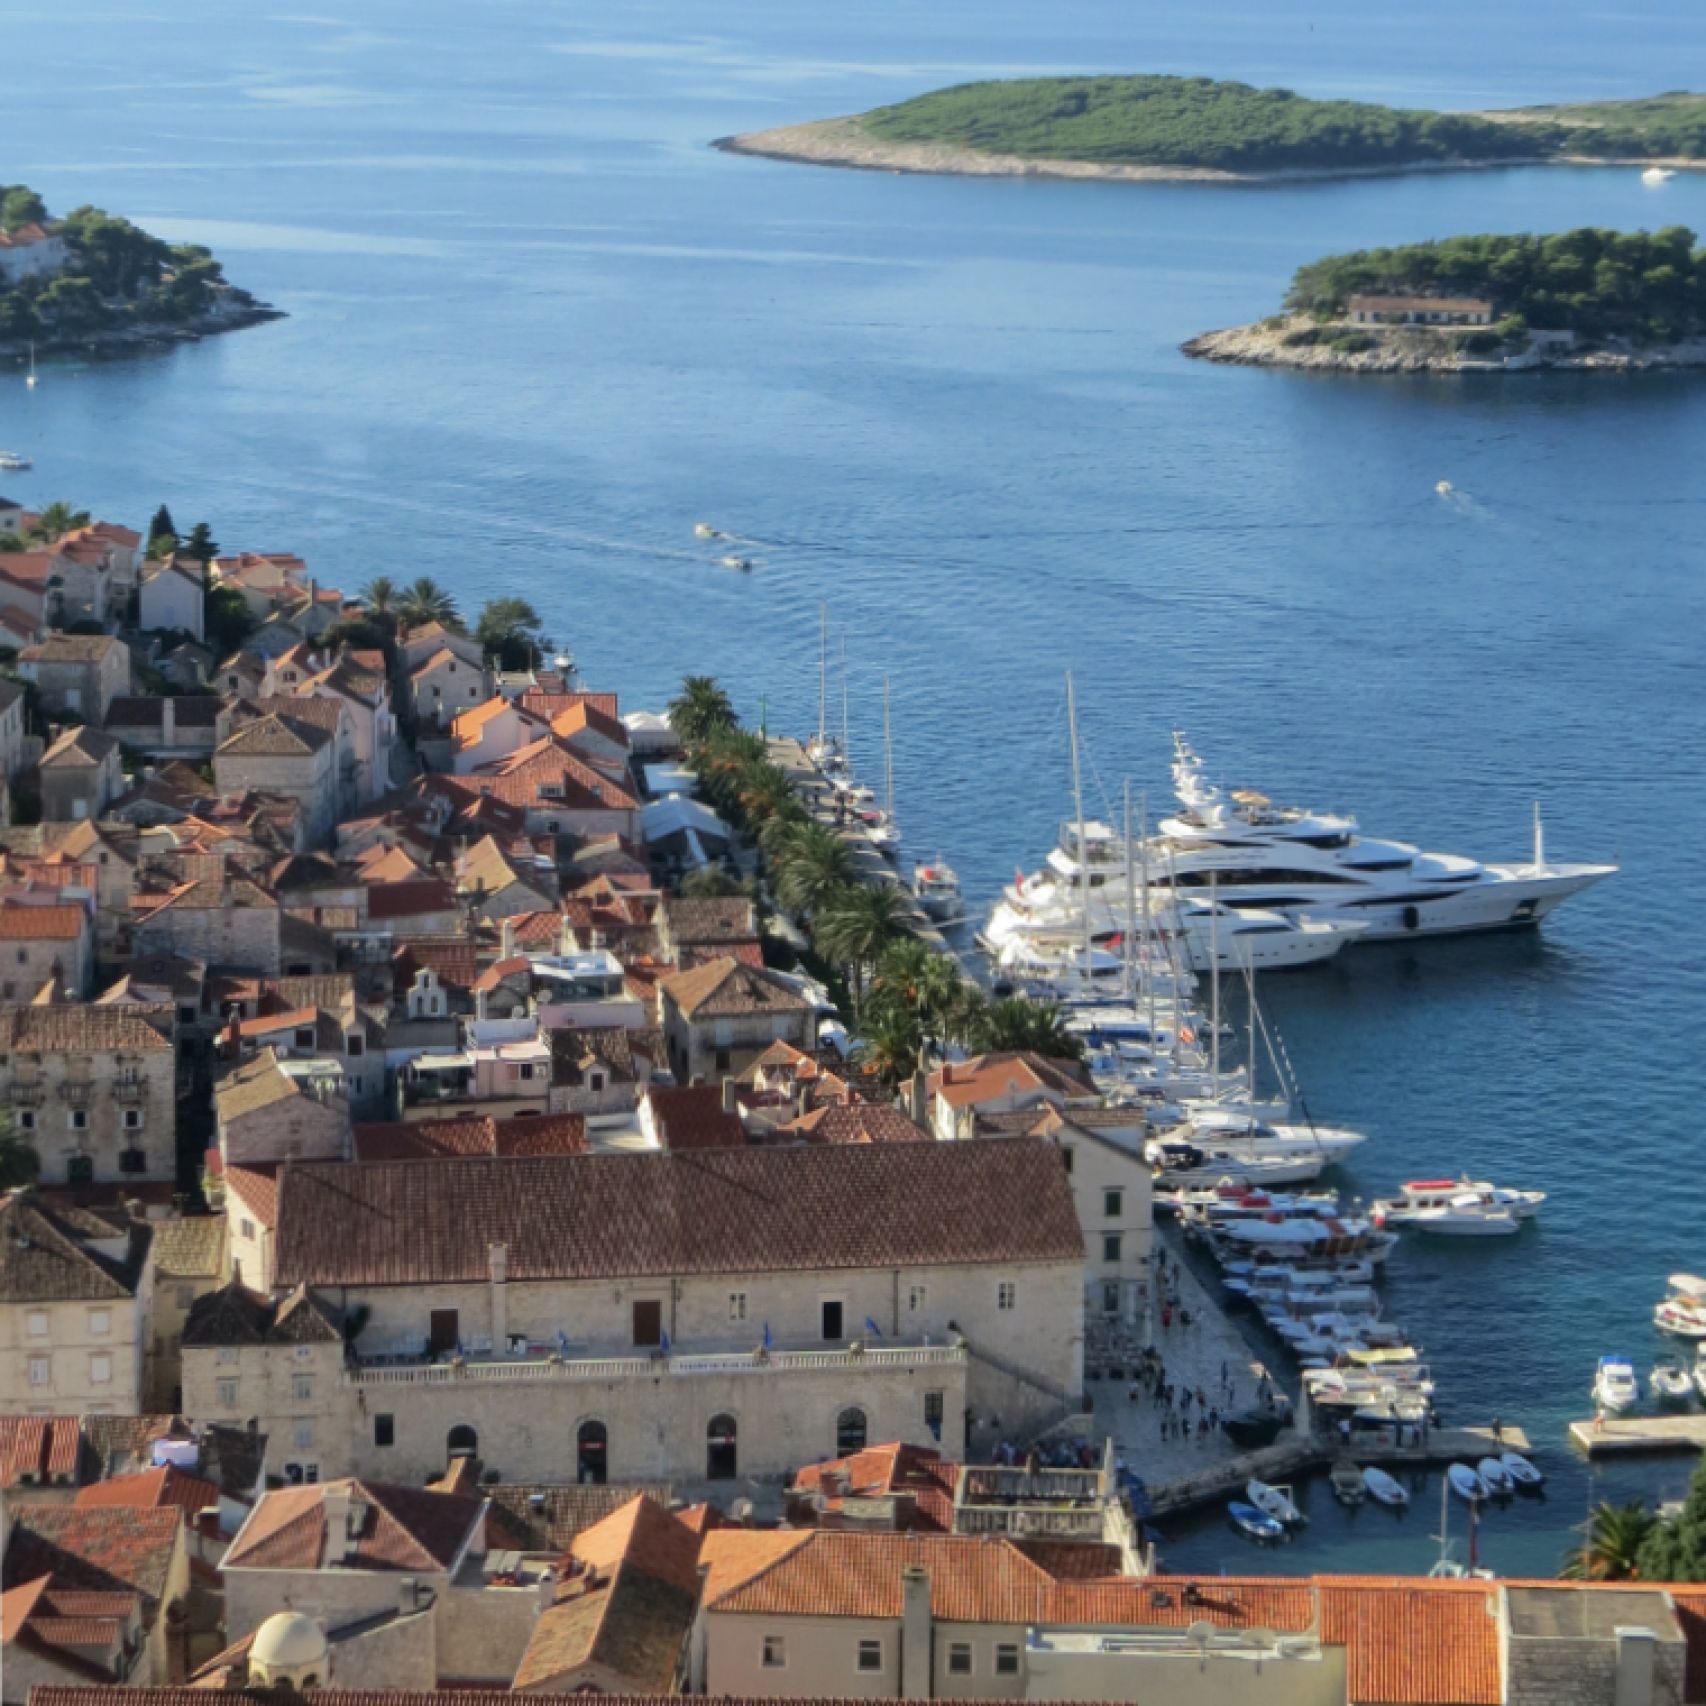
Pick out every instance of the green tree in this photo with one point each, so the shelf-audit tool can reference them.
(511, 628)
(699, 709)
(56, 521)
(162, 533)
(857, 926)
(710, 882)
(19, 1163)
(1016, 1025)
(20, 205)
(813, 870)
(380, 595)
(891, 1044)
(73, 305)
(201, 544)
(1674, 1549)
(1612, 1540)
(228, 620)
(19, 320)
(424, 601)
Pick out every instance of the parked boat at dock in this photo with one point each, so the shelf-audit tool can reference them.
(1683, 1312)
(1384, 1488)
(1615, 1387)
(1466, 1482)
(1523, 1474)
(1347, 1482)
(1670, 1382)
(1273, 1501)
(936, 888)
(1257, 1524)
(1420, 1199)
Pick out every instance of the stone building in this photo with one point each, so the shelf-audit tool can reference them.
(189, 1257)
(92, 1090)
(284, 755)
(77, 675)
(224, 920)
(81, 773)
(272, 1108)
(720, 1016)
(526, 1308)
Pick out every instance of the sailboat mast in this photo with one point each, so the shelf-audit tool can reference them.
(1250, 993)
(1078, 810)
(822, 679)
(888, 758)
(846, 752)
(1214, 985)
(1147, 938)
(1129, 934)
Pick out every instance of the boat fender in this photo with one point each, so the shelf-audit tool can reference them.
(1412, 918)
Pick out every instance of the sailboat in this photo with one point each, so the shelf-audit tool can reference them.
(883, 833)
(822, 751)
(30, 377)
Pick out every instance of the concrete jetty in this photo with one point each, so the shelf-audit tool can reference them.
(1627, 1435)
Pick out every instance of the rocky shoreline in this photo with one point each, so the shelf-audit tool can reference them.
(154, 335)
(1417, 349)
(845, 142)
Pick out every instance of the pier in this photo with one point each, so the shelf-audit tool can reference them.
(1619, 1436)
(870, 866)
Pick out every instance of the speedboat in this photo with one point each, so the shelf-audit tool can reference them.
(1276, 1502)
(1384, 1488)
(1615, 1387)
(1465, 1216)
(1671, 1383)
(1521, 1471)
(936, 888)
(1308, 1236)
(1255, 1523)
(1683, 1312)
(1347, 1482)
(1657, 175)
(1418, 1196)
(880, 831)
(733, 562)
(704, 530)
(13, 462)
(1497, 1477)
(1466, 1482)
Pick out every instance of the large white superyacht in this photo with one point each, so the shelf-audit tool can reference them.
(1285, 859)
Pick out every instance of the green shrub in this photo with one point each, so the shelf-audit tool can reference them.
(1353, 343)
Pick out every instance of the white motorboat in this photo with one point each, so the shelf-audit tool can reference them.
(1615, 1387)
(1383, 1488)
(1521, 1471)
(1466, 1482)
(736, 562)
(1683, 1312)
(1497, 1477)
(704, 530)
(13, 462)
(936, 888)
(1700, 1371)
(1283, 1235)
(1670, 1382)
(1466, 1216)
(1349, 1488)
(1656, 175)
(1232, 1126)
(1273, 1501)
(1418, 1197)
(1190, 1166)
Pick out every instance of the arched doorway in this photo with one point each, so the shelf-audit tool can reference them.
(851, 1430)
(463, 1442)
(592, 1460)
(720, 1457)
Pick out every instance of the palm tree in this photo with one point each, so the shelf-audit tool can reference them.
(424, 601)
(56, 521)
(1612, 1538)
(1018, 1026)
(380, 595)
(19, 1163)
(700, 707)
(858, 926)
(891, 1045)
(813, 869)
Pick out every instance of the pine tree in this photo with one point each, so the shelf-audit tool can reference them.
(162, 523)
(200, 543)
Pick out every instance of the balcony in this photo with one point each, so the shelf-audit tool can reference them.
(130, 1091)
(77, 1092)
(24, 1094)
(496, 1370)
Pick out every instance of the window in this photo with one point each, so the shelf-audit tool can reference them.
(302, 1388)
(246, 1227)
(870, 1655)
(133, 1119)
(1066, 1155)
(384, 1429)
(35, 1323)
(225, 1394)
(186, 1015)
(720, 1449)
(775, 1654)
(917, 1297)
(80, 1169)
(737, 1305)
(959, 1658)
(527, 1069)
(933, 1404)
(1113, 1204)
(355, 1047)
(595, 1082)
(1111, 1246)
(648, 1321)
(100, 1369)
(227, 1354)
(1006, 1659)
(133, 1160)
(303, 1435)
(1006, 1294)
(100, 1321)
(832, 1322)
(1110, 1298)
(851, 1431)
(78, 1119)
(23, 956)
(26, 1118)
(39, 1367)
(305, 1037)
(592, 1453)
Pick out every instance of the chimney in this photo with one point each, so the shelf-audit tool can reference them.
(406, 1596)
(479, 1003)
(497, 1264)
(168, 720)
(547, 1588)
(335, 1512)
(918, 1098)
(802, 1100)
(1637, 1655)
(915, 1633)
(508, 940)
(947, 1073)
(729, 1104)
(565, 936)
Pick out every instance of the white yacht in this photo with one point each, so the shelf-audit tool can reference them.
(936, 888)
(1290, 860)
(1683, 1312)
(1457, 1205)
(1615, 1387)
(1235, 1127)
(14, 462)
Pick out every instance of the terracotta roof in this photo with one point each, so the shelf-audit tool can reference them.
(81, 748)
(467, 724)
(38, 1449)
(146, 710)
(45, 1258)
(546, 1516)
(404, 1528)
(103, 1550)
(234, 1315)
(990, 1077)
(274, 736)
(258, 1189)
(42, 923)
(690, 1116)
(895, 1468)
(726, 919)
(428, 1140)
(71, 648)
(454, 958)
(713, 1211)
(410, 899)
(388, 865)
(548, 705)
(858, 1122)
(253, 1085)
(138, 1028)
(575, 1051)
(17, 1604)
(724, 988)
(1412, 1645)
(588, 717)
(190, 1246)
(152, 1489)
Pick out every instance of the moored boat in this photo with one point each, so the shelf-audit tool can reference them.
(1670, 1381)
(1347, 1482)
(1384, 1488)
(936, 888)
(1497, 1477)
(1521, 1471)
(1255, 1523)
(1615, 1387)
(1273, 1501)
(1466, 1482)
(1683, 1312)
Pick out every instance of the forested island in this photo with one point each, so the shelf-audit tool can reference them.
(1587, 298)
(92, 280)
(1197, 127)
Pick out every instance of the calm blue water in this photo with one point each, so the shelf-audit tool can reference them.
(539, 328)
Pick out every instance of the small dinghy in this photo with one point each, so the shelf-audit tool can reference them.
(1276, 1502)
(1349, 1488)
(1520, 1470)
(1671, 1382)
(1255, 1523)
(1382, 1487)
(1497, 1477)
(1465, 1482)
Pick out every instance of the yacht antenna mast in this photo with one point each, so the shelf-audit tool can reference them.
(1214, 985)
(1078, 811)
(1539, 842)
(1147, 938)
(888, 760)
(822, 681)
(1126, 939)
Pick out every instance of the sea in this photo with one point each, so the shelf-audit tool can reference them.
(538, 328)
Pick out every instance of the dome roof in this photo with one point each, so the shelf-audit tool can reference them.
(287, 1641)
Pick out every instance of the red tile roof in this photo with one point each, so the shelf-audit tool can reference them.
(410, 899)
(427, 1140)
(104, 1549)
(258, 1189)
(42, 923)
(894, 1468)
(1410, 1644)
(38, 1449)
(604, 1216)
(152, 1489)
(403, 1528)
(857, 1122)
(690, 1116)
